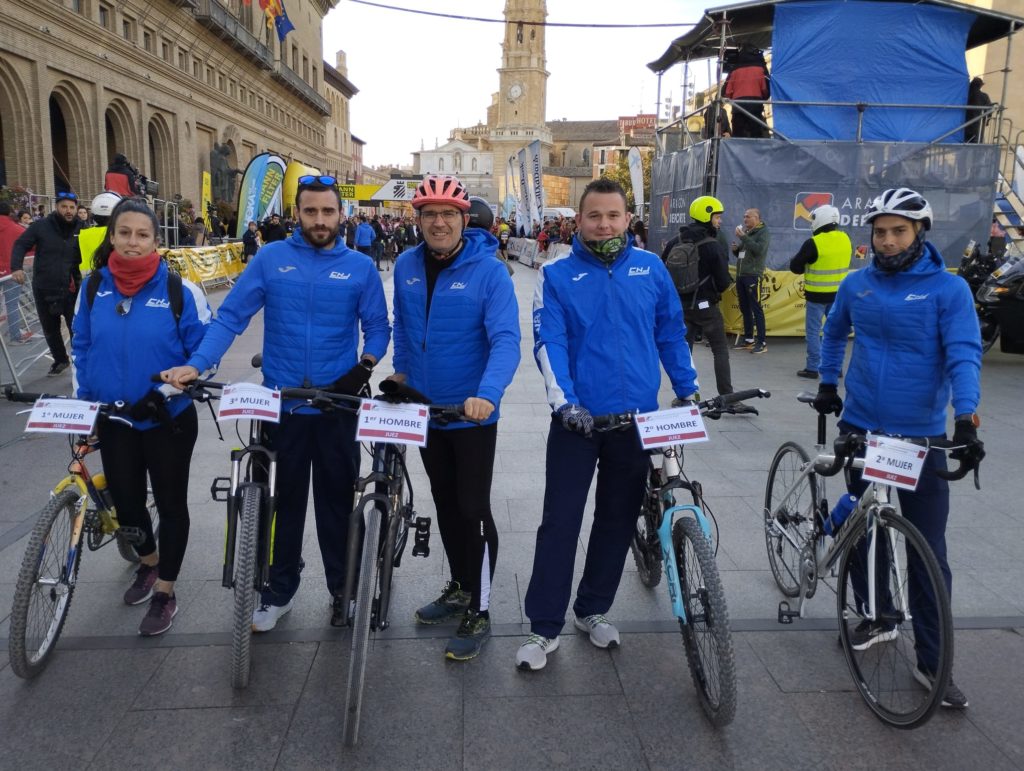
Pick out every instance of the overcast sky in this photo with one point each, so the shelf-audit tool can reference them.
(419, 76)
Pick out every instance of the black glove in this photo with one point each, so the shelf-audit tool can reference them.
(828, 400)
(973, 450)
(576, 418)
(353, 381)
(152, 406)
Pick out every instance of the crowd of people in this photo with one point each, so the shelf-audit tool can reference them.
(456, 335)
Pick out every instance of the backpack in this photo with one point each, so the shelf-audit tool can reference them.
(175, 293)
(682, 263)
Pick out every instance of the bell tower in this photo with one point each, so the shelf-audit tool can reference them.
(522, 95)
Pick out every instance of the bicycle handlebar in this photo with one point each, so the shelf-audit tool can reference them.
(846, 447)
(714, 407)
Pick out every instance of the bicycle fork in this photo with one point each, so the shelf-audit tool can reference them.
(668, 553)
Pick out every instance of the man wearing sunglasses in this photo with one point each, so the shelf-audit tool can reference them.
(315, 293)
(55, 274)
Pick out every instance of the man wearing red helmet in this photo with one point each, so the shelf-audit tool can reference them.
(456, 333)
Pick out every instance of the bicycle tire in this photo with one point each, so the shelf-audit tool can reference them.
(38, 613)
(645, 544)
(361, 624)
(127, 550)
(883, 673)
(388, 554)
(707, 638)
(795, 515)
(245, 585)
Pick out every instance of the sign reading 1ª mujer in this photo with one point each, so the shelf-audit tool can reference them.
(62, 416)
(248, 401)
(681, 425)
(392, 423)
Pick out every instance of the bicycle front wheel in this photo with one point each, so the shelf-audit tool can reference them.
(645, 545)
(361, 625)
(913, 626)
(245, 585)
(790, 506)
(46, 583)
(707, 639)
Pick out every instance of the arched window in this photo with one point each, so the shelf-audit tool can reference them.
(440, 164)
(472, 164)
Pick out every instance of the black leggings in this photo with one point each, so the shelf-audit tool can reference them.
(166, 453)
(460, 464)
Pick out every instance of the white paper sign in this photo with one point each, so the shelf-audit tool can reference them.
(681, 425)
(63, 416)
(392, 423)
(248, 401)
(893, 461)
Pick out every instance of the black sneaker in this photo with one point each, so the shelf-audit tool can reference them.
(810, 374)
(868, 633)
(953, 698)
(452, 602)
(57, 368)
(743, 345)
(473, 632)
(339, 613)
(759, 348)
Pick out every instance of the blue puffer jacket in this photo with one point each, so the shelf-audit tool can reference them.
(599, 331)
(916, 339)
(469, 345)
(314, 301)
(114, 355)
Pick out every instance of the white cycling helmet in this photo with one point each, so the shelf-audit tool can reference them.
(824, 215)
(901, 202)
(104, 203)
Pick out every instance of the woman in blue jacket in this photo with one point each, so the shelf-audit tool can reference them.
(457, 341)
(126, 331)
(917, 347)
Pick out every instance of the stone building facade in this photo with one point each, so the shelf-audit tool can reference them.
(341, 162)
(161, 81)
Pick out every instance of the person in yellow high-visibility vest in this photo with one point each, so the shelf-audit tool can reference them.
(89, 239)
(824, 259)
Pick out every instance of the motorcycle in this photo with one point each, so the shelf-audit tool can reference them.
(999, 299)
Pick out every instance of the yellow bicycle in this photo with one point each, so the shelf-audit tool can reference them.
(80, 510)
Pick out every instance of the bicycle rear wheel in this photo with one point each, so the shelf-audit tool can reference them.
(789, 515)
(361, 625)
(913, 608)
(645, 545)
(245, 585)
(707, 639)
(396, 526)
(46, 583)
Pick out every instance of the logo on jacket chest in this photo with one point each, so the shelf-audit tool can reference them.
(411, 281)
(286, 268)
(640, 271)
(579, 276)
(340, 276)
(156, 302)
(911, 297)
(457, 285)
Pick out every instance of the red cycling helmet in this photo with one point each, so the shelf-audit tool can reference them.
(441, 189)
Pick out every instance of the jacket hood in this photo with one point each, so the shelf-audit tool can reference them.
(702, 229)
(930, 262)
(479, 244)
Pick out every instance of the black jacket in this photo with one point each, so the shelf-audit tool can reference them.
(713, 267)
(274, 233)
(56, 260)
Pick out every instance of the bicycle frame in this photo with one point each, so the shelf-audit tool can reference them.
(671, 469)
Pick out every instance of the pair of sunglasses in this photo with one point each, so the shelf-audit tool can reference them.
(312, 179)
(64, 195)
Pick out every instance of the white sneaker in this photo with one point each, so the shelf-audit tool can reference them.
(265, 617)
(602, 632)
(533, 654)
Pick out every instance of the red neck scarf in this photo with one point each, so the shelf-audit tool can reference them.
(131, 273)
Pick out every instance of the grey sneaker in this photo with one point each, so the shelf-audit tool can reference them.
(533, 654)
(452, 602)
(952, 698)
(162, 609)
(602, 632)
(868, 633)
(473, 632)
(265, 617)
(142, 587)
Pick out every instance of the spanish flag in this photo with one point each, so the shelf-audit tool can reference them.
(277, 17)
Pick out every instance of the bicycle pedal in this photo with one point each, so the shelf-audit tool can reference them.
(131, 535)
(786, 614)
(421, 538)
(220, 489)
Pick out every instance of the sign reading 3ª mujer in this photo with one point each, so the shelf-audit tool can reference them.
(248, 401)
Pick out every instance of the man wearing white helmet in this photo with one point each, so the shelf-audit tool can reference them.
(89, 239)
(824, 259)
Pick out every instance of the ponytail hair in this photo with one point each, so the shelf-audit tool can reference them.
(133, 205)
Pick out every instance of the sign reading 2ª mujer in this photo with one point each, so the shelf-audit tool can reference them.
(681, 425)
(248, 401)
(392, 423)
